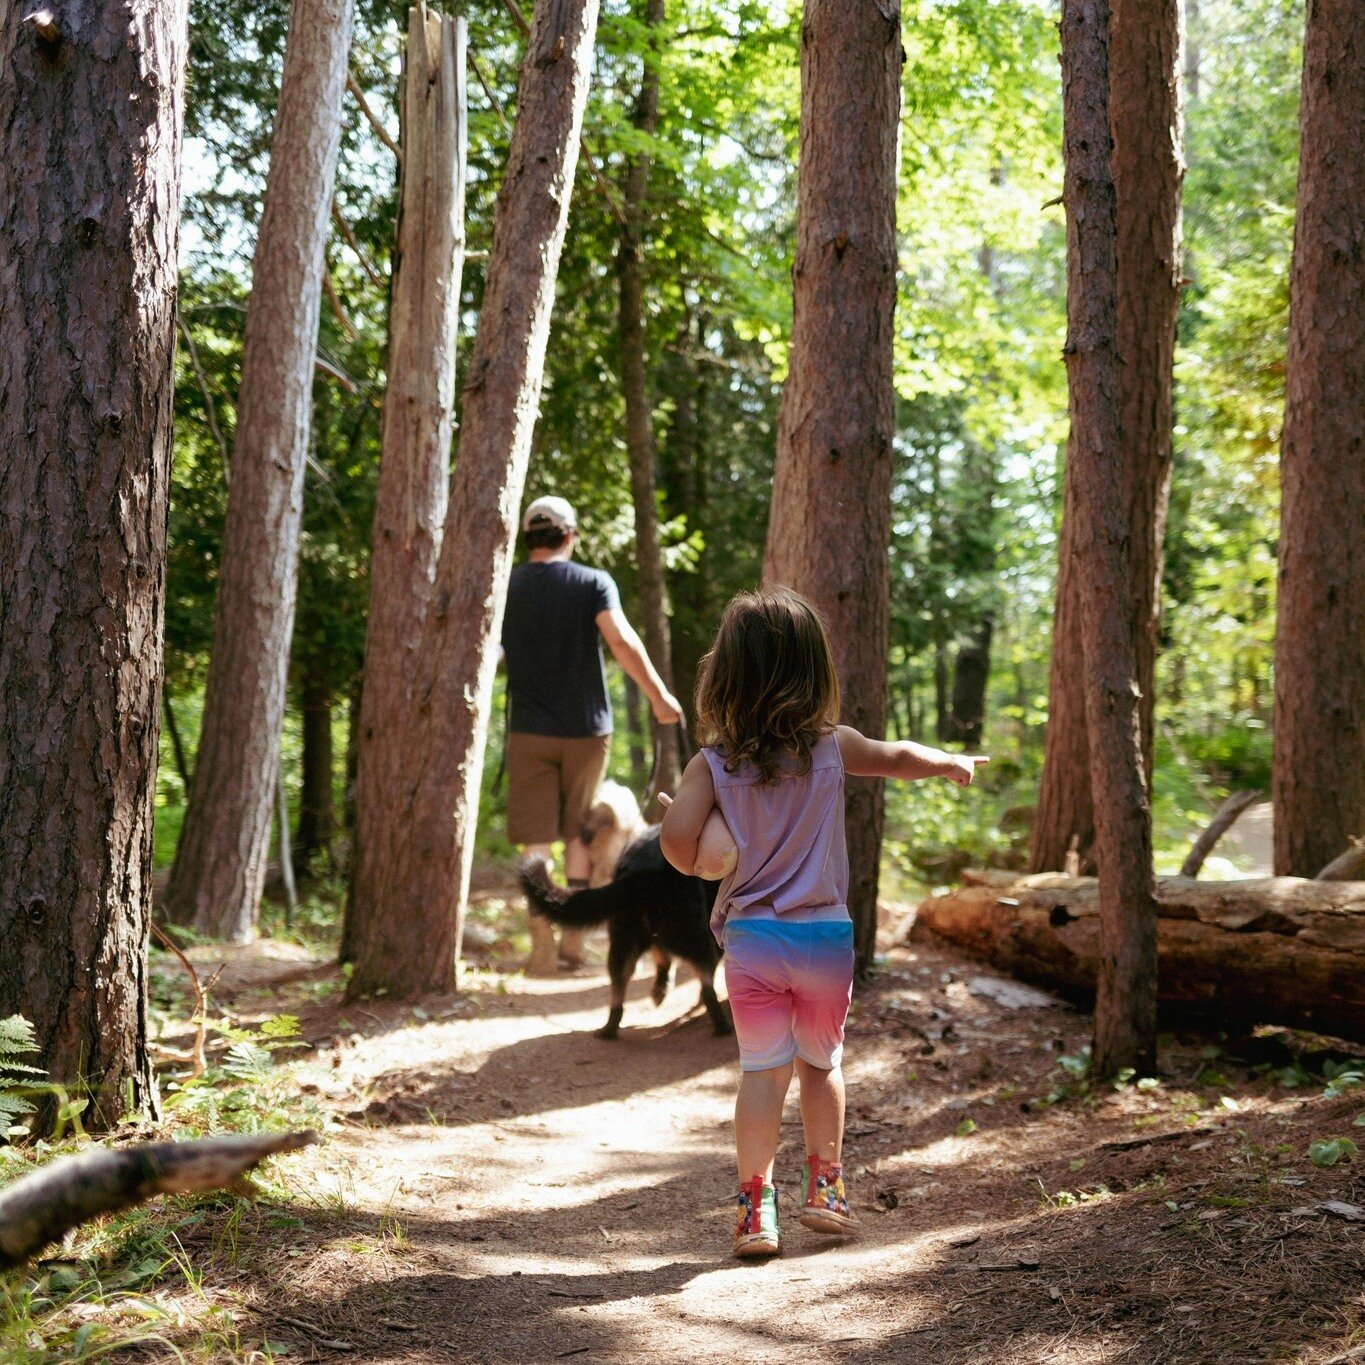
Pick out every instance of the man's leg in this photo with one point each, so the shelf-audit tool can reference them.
(533, 823)
(583, 767)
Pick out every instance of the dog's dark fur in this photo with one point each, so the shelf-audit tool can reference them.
(647, 905)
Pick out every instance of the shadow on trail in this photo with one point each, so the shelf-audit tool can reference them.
(587, 1070)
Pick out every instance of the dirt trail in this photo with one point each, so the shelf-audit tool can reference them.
(510, 1188)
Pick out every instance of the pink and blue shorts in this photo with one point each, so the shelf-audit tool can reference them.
(789, 982)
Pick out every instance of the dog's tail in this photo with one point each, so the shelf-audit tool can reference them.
(574, 909)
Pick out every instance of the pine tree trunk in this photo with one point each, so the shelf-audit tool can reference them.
(1125, 1010)
(640, 444)
(831, 506)
(219, 870)
(1145, 118)
(1319, 773)
(317, 816)
(428, 839)
(90, 133)
(419, 413)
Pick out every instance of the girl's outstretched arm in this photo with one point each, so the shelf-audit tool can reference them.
(906, 760)
(684, 818)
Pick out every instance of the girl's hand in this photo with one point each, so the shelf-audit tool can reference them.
(962, 767)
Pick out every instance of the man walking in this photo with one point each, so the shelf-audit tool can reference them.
(559, 718)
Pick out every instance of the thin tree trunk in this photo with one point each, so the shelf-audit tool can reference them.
(317, 814)
(1145, 119)
(219, 868)
(428, 843)
(831, 506)
(1319, 772)
(1125, 1010)
(635, 730)
(640, 444)
(90, 133)
(971, 675)
(419, 414)
(177, 747)
(943, 710)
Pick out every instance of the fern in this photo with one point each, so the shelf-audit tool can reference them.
(17, 1039)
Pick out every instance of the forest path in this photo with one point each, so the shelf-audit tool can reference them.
(510, 1188)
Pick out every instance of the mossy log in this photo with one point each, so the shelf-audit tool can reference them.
(1273, 950)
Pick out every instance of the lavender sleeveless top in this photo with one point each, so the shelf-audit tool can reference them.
(790, 835)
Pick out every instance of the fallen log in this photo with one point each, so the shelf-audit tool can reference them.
(1273, 950)
(39, 1208)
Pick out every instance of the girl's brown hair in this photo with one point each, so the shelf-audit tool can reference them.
(768, 686)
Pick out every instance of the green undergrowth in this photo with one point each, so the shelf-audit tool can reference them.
(125, 1283)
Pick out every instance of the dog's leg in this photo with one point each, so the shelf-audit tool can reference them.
(663, 970)
(621, 960)
(721, 1025)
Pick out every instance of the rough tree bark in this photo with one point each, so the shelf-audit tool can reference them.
(1318, 780)
(428, 837)
(831, 506)
(1146, 123)
(219, 869)
(90, 131)
(1125, 1007)
(640, 444)
(419, 414)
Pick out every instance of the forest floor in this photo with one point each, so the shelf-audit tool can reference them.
(499, 1185)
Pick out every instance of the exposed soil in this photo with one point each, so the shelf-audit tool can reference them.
(507, 1187)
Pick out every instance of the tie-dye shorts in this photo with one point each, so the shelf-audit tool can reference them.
(789, 982)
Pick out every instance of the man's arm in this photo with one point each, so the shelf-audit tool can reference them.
(629, 651)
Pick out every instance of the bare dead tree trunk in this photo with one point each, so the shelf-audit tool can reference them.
(971, 675)
(1318, 783)
(219, 868)
(90, 132)
(1148, 167)
(428, 837)
(1125, 1009)
(831, 506)
(640, 444)
(419, 415)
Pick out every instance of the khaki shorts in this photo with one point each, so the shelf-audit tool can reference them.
(551, 784)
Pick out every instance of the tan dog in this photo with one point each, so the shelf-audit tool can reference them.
(613, 821)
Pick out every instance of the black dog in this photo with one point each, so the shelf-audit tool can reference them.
(648, 905)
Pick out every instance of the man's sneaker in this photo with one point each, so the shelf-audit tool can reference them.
(824, 1205)
(756, 1231)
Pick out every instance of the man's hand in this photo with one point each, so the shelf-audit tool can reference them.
(666, 708)
(962, 767)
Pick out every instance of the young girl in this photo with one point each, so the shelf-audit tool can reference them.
(769, 791)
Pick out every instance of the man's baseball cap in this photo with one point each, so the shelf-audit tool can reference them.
(550, 511)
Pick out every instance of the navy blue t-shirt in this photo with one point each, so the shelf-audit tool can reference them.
(556, 682)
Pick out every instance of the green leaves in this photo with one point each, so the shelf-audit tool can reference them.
(1329, 1151)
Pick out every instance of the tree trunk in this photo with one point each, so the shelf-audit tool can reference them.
(1272, 951)
(943, 707)
(182, 766)
(428, 838)
(1319, 772)
(1125, 1009)
(831, 506)
(419, 413)
(640, 444)
(90, 131)
(317, 816)
(971, 674)
(635, 731)
(1145, 118)
(219, 870)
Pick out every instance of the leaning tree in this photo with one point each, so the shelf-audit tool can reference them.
(830, 523)
(90, 131)
(219, 869)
